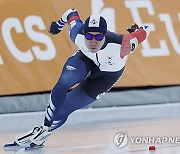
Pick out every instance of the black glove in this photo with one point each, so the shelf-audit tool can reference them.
(133, 28)
(53, 28)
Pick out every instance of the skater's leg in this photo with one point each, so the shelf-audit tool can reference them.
(74, 71)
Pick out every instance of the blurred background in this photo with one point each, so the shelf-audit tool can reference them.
(31, 60)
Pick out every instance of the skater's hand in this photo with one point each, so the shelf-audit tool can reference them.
(53, 28)
(133, 28)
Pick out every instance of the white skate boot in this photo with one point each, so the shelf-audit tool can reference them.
(40, 136)
(23, 140)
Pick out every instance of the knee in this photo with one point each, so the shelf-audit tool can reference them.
(92, 93)
(95, 94)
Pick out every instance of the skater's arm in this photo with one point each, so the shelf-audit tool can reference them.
(132, 40)
(72, 18)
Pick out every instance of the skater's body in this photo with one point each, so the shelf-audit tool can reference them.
(96, 66)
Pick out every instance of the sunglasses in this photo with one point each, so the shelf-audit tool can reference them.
(98, 37)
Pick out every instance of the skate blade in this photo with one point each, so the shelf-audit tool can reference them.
(11, 146)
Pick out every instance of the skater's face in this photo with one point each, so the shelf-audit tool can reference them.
(94, 41)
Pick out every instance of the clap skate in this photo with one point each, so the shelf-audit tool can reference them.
(30, 140)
